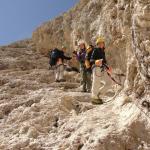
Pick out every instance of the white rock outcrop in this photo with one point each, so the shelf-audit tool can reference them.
(38, 114)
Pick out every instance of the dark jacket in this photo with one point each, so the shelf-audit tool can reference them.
(81, 58)
(97, 54)
(81, 55)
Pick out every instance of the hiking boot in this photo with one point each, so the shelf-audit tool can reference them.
(97, 101)
(62, 80)
(57, 81)
(88, 91)
(84, 90)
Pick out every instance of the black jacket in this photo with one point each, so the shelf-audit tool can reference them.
(97, 54)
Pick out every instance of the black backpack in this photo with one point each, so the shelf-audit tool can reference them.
(54, 55)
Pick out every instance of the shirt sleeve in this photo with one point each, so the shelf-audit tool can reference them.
(104, 58)
(67, 58)
(93, 56)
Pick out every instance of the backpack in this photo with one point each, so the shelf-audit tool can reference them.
(54, 54)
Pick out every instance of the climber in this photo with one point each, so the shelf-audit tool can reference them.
(98, 59)
(88, 66)
(59, 57)
(81, 56)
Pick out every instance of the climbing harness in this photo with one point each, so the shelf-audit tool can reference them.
(96, 72)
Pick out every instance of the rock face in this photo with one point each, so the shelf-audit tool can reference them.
(125, 24)
(87, 20)
(141, 41)
(38, 114)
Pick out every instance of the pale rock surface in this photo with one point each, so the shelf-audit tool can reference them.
(38, 114)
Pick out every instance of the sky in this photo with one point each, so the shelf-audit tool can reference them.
(19, 18)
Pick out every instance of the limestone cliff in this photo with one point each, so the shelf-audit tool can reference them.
(38, 114)
(87, 20)
(124, 24)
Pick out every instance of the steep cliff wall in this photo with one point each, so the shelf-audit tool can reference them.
(36, 113)
(123, 23)
(141, 46)
(87, 20)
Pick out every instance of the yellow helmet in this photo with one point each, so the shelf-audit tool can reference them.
(100, 40)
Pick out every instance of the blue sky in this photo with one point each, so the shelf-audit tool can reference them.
(18, 18)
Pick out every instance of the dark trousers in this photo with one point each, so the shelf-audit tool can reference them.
(86, 80)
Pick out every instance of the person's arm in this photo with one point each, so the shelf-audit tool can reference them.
(65, 57)
(74, 53)
(79, 57)
(104, 58)
(92, 60)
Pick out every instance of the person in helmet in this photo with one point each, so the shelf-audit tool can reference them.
(98, 59)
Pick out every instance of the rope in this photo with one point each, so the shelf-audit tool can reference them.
(146, 114)
(146, 105)
(113, 79)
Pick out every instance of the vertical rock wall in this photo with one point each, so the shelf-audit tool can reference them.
(125, 24)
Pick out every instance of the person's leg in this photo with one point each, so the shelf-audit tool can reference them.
(81, 73)
(57, 74)
(89, 82)
(84, 80)
(106, 84)
(61, 72)
(96, 84)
